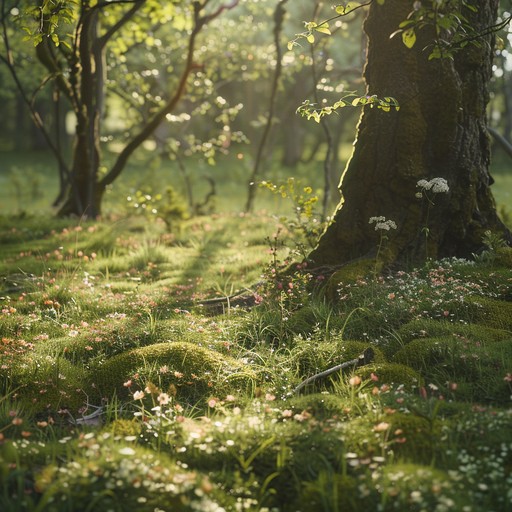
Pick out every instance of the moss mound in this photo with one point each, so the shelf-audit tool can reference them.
(503, 257)
(49, 383)
(391, 373)
(413, 438)
(351, 273)
(489, 312)
(478, 370)
(417, 488)
(191, 371)
(312, 356)
(428, 328)
(319, 405)
(134, 476)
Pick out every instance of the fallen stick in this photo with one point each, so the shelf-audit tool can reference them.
(365, 358)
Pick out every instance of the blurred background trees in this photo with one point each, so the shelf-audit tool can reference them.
(206, 145)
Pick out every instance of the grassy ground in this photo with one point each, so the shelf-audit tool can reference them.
(124, 385)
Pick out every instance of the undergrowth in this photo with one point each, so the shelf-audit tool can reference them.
(161, 371)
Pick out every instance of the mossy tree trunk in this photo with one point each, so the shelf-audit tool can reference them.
(439, 131)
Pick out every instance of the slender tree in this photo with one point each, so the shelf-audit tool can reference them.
(77, 63)
(424, 167)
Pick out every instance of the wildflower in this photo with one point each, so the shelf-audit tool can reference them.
(382, 224)
(381, 427)
(163, 398)
(17, 421)
(435, 185)
(508, 377)
(355, 380)
(138, 395)
(127, 384)
(212, 402)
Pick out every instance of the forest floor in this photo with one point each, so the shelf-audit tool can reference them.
(125, 385)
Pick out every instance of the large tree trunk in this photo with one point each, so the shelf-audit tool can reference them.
(439, 131)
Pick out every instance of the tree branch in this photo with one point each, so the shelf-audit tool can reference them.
(365, 358)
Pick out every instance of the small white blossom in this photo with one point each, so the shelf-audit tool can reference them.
(382, 224)
(436, 185)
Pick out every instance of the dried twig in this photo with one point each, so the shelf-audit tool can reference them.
(365, 358)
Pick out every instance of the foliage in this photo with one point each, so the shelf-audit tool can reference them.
(205, 405)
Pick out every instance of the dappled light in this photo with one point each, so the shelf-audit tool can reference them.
(255, 255)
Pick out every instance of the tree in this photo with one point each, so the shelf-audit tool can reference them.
(76, 62)
(425, 166)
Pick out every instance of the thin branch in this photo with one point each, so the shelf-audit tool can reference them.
(279, 14)
(365, 358)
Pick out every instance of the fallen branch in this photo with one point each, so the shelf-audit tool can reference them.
(365, 358)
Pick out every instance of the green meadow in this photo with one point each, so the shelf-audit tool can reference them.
(187, 370)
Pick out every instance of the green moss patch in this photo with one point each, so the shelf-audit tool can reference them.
(193, 371)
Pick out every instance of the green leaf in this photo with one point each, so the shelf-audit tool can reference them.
(310, 38)
(351, 6)
(409, 38)
(324, 29)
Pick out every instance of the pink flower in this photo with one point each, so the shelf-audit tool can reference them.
(355, 380)
(138, 395)
(508, 377)
(381, 427)
(163, 398)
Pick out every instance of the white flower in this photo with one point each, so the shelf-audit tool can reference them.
(163, 398)
(138, 395)
(382, 224)
(127, 451)
(437, 185)
(424, 184)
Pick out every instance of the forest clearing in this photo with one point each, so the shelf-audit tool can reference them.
(255, 255)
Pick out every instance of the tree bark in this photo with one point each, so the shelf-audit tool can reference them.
(439, 131)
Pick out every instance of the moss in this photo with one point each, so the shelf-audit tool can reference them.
(319, 405)
(350, 273)
(49, 382)
(194, 372)
(434, 488)
(427, 353)
(503, 257)
(489, 312)
(104, 480)
(428, 328)
(311, 356)
(477, 369)
(391, 373)
(413, 438)
(124, 428)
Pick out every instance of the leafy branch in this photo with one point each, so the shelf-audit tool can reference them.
(323, 27)
(312, 111)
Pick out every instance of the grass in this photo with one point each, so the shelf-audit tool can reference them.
(124, 385)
